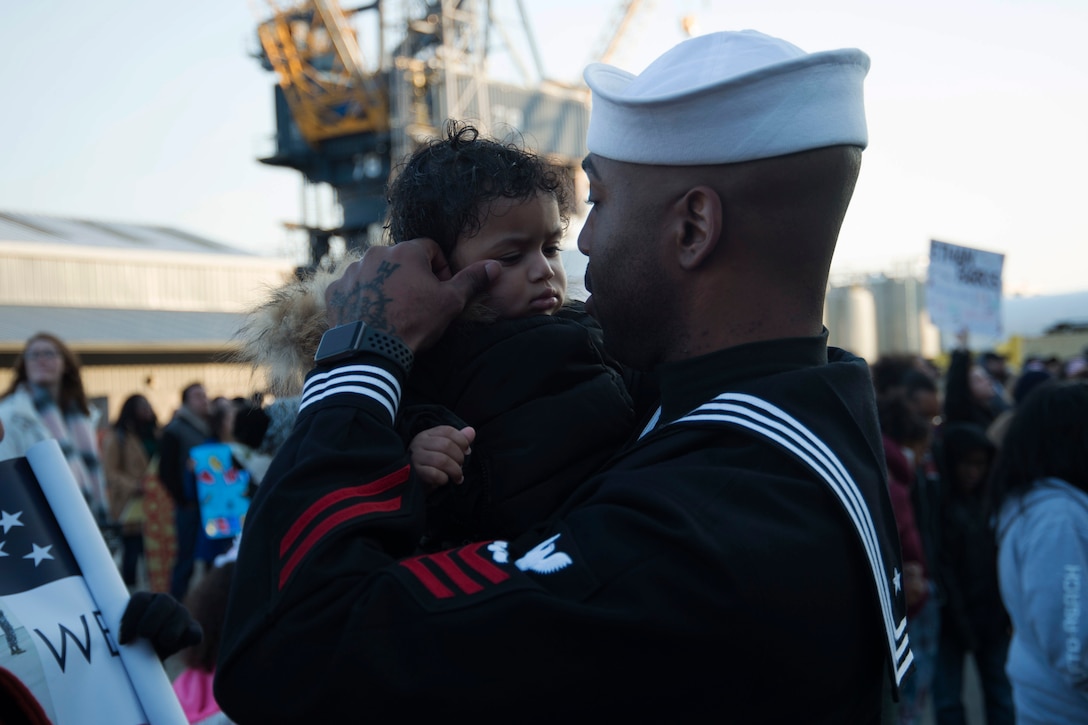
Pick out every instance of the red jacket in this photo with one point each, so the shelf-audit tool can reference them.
(900, 480)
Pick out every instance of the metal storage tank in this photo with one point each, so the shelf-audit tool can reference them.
(850, 316)
(903, 324)
(930, 339)
(898, 303)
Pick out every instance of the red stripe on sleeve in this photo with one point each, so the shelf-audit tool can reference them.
(471, 556)
(454, 572)
(429, 580)
(370, 489)
(351, 512)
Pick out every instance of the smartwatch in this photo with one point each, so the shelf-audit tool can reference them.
(344, 342)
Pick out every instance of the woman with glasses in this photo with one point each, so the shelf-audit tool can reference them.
(46, 400)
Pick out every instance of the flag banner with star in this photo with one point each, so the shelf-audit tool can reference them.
(62, 597)
(33, 549)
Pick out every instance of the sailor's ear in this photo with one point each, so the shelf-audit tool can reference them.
(698, 216)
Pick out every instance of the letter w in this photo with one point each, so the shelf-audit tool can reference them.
(65, 633)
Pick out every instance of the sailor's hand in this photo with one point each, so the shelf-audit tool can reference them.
(407, 290)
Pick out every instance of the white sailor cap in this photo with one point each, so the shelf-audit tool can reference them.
(728, 97)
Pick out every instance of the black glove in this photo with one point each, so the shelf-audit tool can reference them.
(161, 619)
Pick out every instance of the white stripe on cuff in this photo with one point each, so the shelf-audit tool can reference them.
(367, 380)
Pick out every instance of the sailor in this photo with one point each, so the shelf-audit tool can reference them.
(737, 561)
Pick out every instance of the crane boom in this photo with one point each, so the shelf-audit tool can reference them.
(321, 73)
(625, 13)
(347, 124)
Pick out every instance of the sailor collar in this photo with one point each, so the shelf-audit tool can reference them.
(687, 384)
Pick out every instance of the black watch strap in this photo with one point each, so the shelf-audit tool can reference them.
(344, 342)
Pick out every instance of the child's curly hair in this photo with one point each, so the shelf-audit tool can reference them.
(444, 189)
(443, 192)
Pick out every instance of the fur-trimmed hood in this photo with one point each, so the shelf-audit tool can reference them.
(281, 335)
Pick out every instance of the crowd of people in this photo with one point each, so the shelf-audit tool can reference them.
(951, 436)
(118, 465)
(138, 480)
(956, 453)
(672, 501)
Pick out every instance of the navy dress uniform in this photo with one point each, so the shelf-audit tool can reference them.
(736, 562)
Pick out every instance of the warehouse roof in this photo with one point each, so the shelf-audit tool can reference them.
(114, 325)
(136, 331)
(41, 228)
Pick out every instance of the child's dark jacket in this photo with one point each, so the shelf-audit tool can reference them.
(548, 405)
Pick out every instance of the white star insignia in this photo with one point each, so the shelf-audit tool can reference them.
(2, 552)
(9, 520)
(39, 553)
(898, 580)
(499, 552)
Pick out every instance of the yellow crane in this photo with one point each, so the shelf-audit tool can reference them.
(346, 120)
(317, 58)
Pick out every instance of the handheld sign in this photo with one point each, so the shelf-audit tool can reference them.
(963, 289)
(62, 599)
(220, 490)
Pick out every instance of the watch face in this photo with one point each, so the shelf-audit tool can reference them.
(338, 340)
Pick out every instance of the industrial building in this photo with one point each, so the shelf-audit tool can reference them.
(359, 88)
(148, 309)
(877, 314)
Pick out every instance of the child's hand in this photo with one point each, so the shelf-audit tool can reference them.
(439, 453)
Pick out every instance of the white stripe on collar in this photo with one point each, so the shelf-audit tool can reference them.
(759, 416)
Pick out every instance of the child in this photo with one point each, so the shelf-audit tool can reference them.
(525, 367)
(207, 602)
(973, 619)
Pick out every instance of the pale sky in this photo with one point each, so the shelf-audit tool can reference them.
(153, 112)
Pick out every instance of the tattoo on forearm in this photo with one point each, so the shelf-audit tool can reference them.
(367, 302)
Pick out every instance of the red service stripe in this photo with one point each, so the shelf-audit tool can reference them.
(351, 512)
(428, 579)
(471, 556)
(453, 571)
(331, 499)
